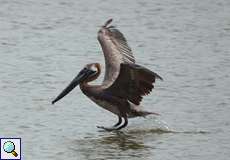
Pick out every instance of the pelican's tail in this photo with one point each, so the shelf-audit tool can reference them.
(137, 111)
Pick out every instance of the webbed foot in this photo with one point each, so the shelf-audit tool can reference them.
(107, 128)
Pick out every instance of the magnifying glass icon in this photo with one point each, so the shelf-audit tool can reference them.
(9, 147)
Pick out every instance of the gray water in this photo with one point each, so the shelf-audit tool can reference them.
(43, 45)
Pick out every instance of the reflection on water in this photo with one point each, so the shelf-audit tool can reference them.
(136, 142)
(123, 141)
(112, 145)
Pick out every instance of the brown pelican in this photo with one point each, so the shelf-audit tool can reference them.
(124, 84)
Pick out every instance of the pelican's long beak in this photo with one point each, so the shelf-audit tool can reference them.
(82, 75)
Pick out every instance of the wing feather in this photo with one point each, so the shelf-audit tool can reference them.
(133, 82)
(121, 43)
(116, 51)
(123, 78)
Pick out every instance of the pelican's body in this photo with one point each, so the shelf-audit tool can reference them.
(124, 82)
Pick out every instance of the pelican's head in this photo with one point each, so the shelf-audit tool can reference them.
(88, 73)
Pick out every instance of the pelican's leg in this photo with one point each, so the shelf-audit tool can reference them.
(123, 125)
(119, 122)
(114, 126)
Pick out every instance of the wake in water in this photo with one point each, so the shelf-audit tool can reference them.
(154, 124)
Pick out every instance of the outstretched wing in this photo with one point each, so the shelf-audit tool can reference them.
(116, 51)
(133, 82)
(121, 44)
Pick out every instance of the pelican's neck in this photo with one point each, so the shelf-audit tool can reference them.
(84, 86)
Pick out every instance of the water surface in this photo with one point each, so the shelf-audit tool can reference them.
(43, 45)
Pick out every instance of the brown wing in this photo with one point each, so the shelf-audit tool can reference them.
(116, 51)
(121, 44)
(133, 82)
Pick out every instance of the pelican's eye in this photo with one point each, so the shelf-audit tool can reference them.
(93, 68)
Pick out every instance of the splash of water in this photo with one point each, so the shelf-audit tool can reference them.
(157, 125)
